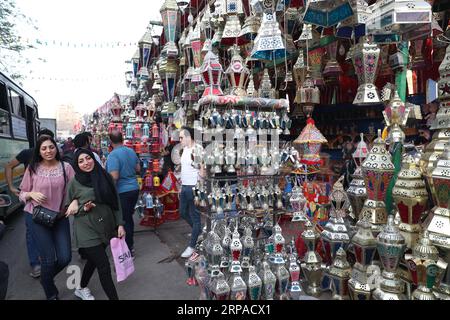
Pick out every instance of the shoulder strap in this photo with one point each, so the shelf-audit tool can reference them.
(65, 182)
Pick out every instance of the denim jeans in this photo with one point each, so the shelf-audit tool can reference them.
(55, 251)
(33, 253)
(128, 202)
(189, 213)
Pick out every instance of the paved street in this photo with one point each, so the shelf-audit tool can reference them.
(158, 275)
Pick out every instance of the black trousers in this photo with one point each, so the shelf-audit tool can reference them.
(97, 258)
(4, 275)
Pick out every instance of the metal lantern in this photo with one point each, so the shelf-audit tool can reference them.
(116, 111)
(250, 29)
(309, 94)
(334, 236)
(332, 69)
(438, 222)
(396, 114)
(377, 171)
(232, 27)
(211, 71)
(391, 247)
(294, 271)
(269, 281)
(195, 38)
(145, 47)
(254, 284)
(281, 274)
(425, 267)
(339, 274)
(315, 65)
(354, 26)
(398, 16)
(237, 73)
(238, 287)
(365, 57)
(410, 196)
(265, 89)
(220, 289)
(327, 13)
(169, 14)
(168, 73)
(364, 246)
(268, 44)
(312, 263)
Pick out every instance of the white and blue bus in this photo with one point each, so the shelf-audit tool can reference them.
(19, 125)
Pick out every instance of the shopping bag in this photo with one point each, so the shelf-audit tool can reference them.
(123, 261)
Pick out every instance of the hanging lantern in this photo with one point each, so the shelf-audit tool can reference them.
(116, 111)
(232, 27)
(332, 69)
(315, 65)
(311, 140)
(140, 112)
(168, 73)
(309, 96)
(135, 63)
(410, 196)
(269, 44)
(265, 88)
(364, 244)
(237, 73)
(398, 16)
(396, 114)
(391, 247)
(211, 71)
(377, 171)
(196, 45)
(365, 59)
(327, 13)
(145, 47)
(250, 29)
(354, 26)
(169, 14)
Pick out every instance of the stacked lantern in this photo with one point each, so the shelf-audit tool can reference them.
(410, 196)
(339, 274)
(311, 266)
(364, 246)
(438, 222)
(378, 171)
(391, 247)
(356, 191)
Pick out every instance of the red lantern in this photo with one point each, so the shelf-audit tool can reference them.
(155, 165)
(119, 127)
(212, 74)
(129, 144)
(155, 131)
(140, 112)
(156, 147)
(111, 127)
(137, 131)
(116, 111)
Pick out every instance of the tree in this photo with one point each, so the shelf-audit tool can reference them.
(12, 46)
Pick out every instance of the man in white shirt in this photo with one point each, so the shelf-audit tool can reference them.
(189, 178)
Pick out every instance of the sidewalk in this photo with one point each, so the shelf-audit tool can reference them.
(152, 280)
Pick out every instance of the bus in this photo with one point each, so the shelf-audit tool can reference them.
(19, 124)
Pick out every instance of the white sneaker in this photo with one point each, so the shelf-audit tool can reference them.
(188, 252)
(84, 294)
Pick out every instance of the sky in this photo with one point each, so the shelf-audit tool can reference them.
(91, 75)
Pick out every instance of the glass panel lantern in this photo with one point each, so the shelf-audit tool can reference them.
(169, 14)
(212, 74)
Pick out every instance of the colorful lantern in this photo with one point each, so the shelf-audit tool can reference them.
(396, 114)
(339, 274)
(364, 244)
(196, 44)
(145, 47)
(377, 171)
(391, 247)
(309, 96)
(365, 59)
(169, 14)
(237, 73)
(354, 26)
(334, 236)
(168, 72)
(327, 13)
(232, 27)
(410, 196)
(250, 29)
(212, 74)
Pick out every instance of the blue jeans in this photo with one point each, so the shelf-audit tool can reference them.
(33, 253)
(55, 249)
(189, 213)
(128, 202)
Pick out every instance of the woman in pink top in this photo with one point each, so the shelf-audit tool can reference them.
(43, 184)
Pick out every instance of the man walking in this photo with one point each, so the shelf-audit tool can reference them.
(123, 165)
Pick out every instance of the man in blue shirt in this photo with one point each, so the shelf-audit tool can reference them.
(123, 165)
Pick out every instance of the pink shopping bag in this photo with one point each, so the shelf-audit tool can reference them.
(123, 261)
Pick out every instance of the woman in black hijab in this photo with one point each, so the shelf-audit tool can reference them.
(98, 219)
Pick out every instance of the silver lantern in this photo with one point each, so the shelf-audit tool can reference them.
(311, 266)
(254, 284)
(339, 274)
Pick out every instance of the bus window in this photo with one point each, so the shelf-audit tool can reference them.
(17, 104)
(4, 112)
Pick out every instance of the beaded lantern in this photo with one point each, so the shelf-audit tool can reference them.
(310, 140)
(212, 74)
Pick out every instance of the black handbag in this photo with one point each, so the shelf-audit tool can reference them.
(47, 217)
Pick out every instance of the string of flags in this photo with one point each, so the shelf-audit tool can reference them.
(81, 45)
(74, 79)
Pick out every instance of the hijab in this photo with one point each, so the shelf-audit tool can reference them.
(103, 184)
